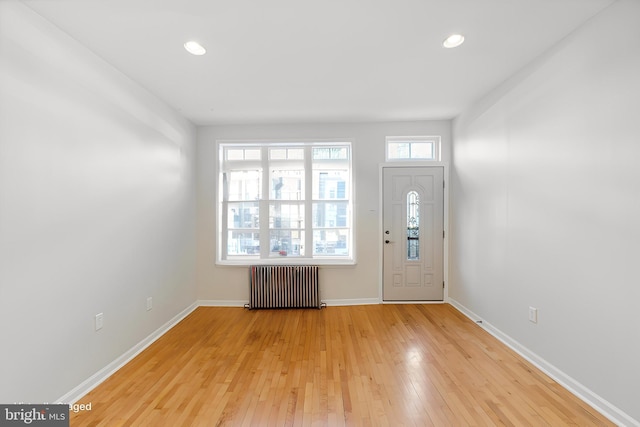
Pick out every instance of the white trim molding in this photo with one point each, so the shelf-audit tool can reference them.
(598, 403)
(328, 302)
(601, 405)
(221, 303)
(99, 377)
(344, 302)
(104, 373)
(413, 302)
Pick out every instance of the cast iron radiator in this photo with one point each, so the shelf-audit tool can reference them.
(284, 286)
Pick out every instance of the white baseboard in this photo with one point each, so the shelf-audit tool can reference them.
(329, 302)
(343, 302)
(607, 409)
(610, 411)
(104, 373)
(221, 303)
(413, 302)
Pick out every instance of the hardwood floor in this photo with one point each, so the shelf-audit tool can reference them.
(390, 365)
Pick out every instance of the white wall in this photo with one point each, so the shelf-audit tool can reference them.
(359, 282)
(546, 207)
(97, 210)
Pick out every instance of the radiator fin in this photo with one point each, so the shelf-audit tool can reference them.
(284, 286)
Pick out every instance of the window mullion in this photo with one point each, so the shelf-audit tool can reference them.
(264, 205)
(224, 188)
(308, 201)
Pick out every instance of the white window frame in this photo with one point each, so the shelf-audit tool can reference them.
(434, 140)
(264, 163)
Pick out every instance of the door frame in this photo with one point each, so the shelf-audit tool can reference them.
(445, 245)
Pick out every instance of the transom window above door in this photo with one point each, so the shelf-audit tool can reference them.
(413, 148)
(288, 202)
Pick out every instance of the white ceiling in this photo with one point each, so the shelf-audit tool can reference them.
(287, 61)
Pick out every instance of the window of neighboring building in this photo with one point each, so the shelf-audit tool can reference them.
(413, 148)
(285, 201)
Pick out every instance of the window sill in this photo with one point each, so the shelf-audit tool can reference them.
(288, 261)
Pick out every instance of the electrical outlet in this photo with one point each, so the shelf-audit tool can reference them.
(99, 321)
(533, 315)
(149, 303)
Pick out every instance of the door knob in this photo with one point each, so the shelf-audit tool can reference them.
(387, 241)
(386, 232)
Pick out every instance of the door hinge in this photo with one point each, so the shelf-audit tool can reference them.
(443, 234)
(442, 285)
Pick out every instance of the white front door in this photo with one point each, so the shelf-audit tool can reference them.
(413, 233)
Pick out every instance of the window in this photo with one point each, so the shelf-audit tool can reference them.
(288, 201)
(413, 226)
(413, 148)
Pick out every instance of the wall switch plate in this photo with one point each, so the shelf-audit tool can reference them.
(533, 315)
(99, 321)
(149, 303)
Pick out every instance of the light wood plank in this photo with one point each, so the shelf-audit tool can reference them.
(412, 365)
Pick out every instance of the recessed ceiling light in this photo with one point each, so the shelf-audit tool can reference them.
(194, 48)
(454, 40)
